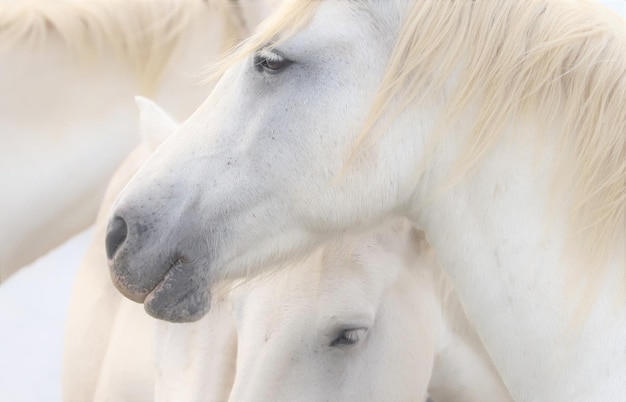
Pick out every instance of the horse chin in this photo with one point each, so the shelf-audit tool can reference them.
(180, 297)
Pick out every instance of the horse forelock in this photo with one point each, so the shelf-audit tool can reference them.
(143, 33)
(288, 18)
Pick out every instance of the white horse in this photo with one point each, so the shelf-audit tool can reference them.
(414, 322)
(365, 319)
(411, 325)
(68, 73)
(495, 127)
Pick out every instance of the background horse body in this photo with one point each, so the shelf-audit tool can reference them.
(496, 127)
(68, 74)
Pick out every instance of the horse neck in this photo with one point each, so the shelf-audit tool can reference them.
(462, 369)
(504, 258)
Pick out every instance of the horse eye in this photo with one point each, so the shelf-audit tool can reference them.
(349, 337)
(270, 62)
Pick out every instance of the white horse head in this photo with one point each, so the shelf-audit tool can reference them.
(361, 320)
(354, 321)
(370, 318)
(474, 119)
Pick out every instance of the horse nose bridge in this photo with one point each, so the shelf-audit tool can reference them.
(147, 210)
(134, 221)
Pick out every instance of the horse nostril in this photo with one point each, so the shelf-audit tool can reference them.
(116, 234)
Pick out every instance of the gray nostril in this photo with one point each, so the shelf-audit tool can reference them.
(116, 234)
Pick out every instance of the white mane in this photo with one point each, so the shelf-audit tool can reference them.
(143, 33)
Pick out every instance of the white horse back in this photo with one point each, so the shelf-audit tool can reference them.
(67, 121)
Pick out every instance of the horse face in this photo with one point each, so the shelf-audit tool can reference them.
(255, 175)
(339, 332)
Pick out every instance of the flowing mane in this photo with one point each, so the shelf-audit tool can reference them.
(564, 63)
(143, 33)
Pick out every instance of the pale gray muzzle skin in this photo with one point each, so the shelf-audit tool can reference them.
(152, 262)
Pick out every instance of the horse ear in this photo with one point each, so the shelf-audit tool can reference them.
(155, 125)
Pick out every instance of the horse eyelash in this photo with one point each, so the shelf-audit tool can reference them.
(269, 55)
(352, 336)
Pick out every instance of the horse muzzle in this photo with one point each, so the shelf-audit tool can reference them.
(163, 278)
